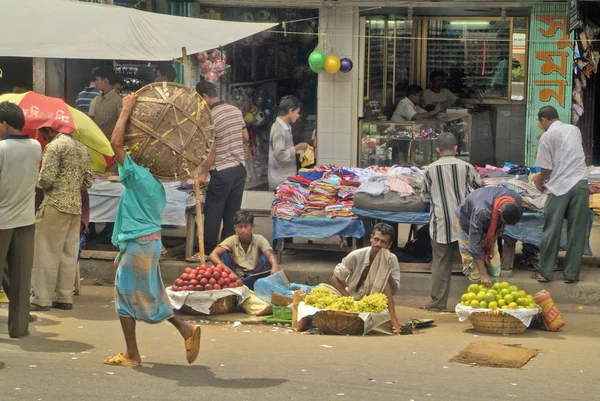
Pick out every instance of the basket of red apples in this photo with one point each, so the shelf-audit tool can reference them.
(208, 290)
(206, 278)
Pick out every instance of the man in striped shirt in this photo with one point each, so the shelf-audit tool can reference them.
(86, 96)
(448, 181)
(226, 164)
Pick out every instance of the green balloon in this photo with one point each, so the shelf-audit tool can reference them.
(316, 69)
(316, 59)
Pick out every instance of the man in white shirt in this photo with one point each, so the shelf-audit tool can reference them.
(371, 270)
(409, 108)
(438, 94)
(282, 152)
(561, 157)
(20, 159)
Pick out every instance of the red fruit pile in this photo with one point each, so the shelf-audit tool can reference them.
(206, 278)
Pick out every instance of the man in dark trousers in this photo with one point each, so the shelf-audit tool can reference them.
(564, 175)
(226, 165)
(20, 158)
(448, 181)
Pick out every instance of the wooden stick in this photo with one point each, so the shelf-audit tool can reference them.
(184, 64)
(197, 191)
(199, 217)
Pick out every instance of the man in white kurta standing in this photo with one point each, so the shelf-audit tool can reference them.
(564, 173)
(282, 152)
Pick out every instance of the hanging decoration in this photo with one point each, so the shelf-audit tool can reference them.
(332, 64)
(212, 64)
(346, 65)
(324, 57)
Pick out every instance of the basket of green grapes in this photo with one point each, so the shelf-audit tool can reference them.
(501, 309)
(343, 315)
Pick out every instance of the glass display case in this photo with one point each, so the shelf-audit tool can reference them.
(385, 143)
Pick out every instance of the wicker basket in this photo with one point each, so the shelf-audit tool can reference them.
(170, 131)
(337, 322)
(501, 323)
(220, 307)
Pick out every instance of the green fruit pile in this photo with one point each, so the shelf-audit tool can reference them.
(500, 296)
(322, 298)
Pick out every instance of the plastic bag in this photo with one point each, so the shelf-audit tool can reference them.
(254, 306)
(278, 283)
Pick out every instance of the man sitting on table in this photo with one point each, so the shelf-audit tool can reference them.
(481, 218)
(438, 94)
(409, 108)
(249, 255)
(371, 270)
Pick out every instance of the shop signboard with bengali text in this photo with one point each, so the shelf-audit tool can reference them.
(550, 72)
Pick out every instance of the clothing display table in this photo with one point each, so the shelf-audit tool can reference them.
(316, 228)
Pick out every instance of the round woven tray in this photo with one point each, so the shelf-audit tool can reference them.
(337, 322)
(221, 306)
(500, 323)
(170, 131)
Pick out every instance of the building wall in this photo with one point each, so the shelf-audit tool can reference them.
(337, 125)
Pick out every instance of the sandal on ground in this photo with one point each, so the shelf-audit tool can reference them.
(192, 345)
(567, 281)
(120, 360)
(540, 278)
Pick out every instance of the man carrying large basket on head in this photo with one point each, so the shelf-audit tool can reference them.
(139, 290)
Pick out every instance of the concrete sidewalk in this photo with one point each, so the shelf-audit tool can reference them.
(317, 267)
(314, 267)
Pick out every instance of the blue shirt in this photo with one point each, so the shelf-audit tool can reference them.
(475, 215)
(141, 204)
(85, 97)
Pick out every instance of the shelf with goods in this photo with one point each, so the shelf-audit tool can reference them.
(385, 143)
(264, 68)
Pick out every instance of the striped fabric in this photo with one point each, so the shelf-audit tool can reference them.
(229, 139)
(448, 181)
(85, 98)
(139, 289)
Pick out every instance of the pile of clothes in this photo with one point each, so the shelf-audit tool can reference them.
(517, 178)
(404, 180)
(321, 192)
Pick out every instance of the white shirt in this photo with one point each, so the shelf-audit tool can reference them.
(561, 151)
(19, 168)
(445, 96)
(282, 154)
(406, 110)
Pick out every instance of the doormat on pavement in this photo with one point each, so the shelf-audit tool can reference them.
(495, 355)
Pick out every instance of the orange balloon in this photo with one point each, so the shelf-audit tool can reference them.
(332, 64)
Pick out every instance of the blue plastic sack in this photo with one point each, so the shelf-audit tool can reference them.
(276, 283)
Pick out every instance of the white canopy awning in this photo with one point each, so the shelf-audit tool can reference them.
(82, 30)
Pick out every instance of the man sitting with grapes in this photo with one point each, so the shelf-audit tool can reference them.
(371, 270)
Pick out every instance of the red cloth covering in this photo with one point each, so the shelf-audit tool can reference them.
(496, 227)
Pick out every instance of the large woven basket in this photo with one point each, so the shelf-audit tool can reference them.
(501, 323)
(220, 307)
(338, 322)
(170, 131)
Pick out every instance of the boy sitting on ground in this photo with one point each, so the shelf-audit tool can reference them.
(249, 255)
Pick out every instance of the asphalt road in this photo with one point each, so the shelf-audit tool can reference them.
(62, 360)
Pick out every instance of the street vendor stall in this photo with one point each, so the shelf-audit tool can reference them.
(317, 204)
(528, 230)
